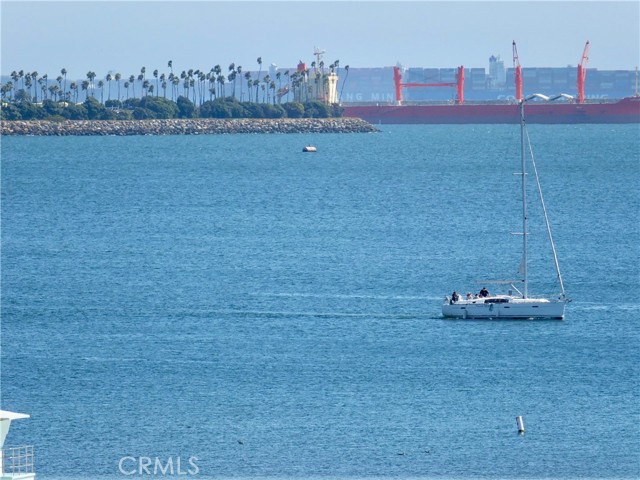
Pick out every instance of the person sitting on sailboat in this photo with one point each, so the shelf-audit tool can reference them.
(484, 292)
(454, 297)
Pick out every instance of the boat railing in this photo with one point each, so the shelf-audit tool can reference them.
(18, 461)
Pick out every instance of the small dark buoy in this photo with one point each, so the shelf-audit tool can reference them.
(240, 442)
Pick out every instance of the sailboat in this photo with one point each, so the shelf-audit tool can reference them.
(518, 304)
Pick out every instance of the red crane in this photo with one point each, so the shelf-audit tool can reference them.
(459, 84)
(582, 72)
(517, 72)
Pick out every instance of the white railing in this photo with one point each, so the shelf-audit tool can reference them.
(18, 460)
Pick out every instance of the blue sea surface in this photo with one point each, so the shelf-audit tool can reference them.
(272, 313)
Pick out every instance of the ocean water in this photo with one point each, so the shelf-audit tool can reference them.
(265, 312)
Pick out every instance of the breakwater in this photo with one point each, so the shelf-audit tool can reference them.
(199, 126)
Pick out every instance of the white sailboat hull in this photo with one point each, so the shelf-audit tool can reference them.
(505, 307)
(509, 306)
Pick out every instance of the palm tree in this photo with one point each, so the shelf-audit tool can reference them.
(239, 72)
(132, 82)
(247, 77)
(346, 69)
(164, 86)
(202, 79)
(15, 77)
(175, 83)
(183, 77)
(211, 78)
(101, 87)
(221, 79)
(232, 77)
(6, 88)
(279, 78)
(85, 87)
(266, 80)
(43, 87)
(196, 84)
(286, 74)
(74, 87)
(259, 60)
(27, 83)
(170, 65)
(118, 77)
(155, 74)
(109, 78)
(53, 89)
(63, 72)
(163, 80)
(126, 86)
(34, 76)
(141, 80)
(272, 86)
(44, 84)
(90, 77)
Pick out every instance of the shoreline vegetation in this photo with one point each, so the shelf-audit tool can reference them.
(191, 126)
(193, 102)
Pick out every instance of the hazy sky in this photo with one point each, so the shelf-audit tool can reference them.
(123, 36)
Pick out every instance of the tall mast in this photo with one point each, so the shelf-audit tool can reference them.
(524, 202)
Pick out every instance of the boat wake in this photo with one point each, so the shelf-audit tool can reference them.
(346, 296)
(590, 307)
(270, 314)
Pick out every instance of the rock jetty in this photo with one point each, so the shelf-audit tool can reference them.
(199, 126)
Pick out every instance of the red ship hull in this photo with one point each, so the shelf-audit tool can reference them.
(626, 110)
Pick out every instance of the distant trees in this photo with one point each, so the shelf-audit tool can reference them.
(192, 93)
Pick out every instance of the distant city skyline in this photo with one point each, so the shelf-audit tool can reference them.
(122, 37)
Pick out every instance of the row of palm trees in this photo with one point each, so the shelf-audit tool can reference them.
(196, 84)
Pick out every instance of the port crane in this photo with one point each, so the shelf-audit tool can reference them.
(517, 72)
(318, 52)
(582, 72)
(459, 84)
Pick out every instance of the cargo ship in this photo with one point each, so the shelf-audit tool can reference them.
(568, 109)
(626, 110)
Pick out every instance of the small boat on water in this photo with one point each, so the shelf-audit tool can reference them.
(309, 148)
(514, 305)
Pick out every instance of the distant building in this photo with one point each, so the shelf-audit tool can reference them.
(497, 73)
